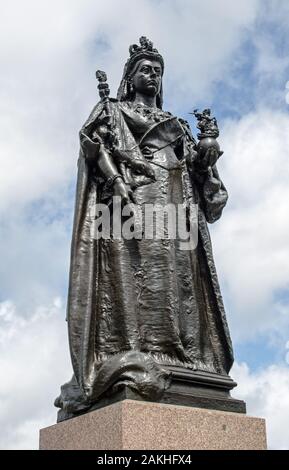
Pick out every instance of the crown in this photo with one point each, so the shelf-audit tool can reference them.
(145, 46)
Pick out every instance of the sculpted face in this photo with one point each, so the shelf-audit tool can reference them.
(148, 77)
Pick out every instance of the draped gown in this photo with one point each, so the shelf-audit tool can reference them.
(137, 307)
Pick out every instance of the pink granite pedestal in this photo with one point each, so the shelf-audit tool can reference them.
(131, 424)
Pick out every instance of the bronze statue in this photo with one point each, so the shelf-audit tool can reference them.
(145, 318)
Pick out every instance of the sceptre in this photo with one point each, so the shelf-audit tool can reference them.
(140, 166)
(104, 92)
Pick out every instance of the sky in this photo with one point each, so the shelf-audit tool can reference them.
(230, 56)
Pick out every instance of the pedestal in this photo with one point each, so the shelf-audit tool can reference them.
(196, 389)
(130, 425)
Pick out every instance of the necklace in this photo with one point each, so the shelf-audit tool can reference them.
(149, 112)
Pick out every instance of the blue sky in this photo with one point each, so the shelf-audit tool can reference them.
(230, 56)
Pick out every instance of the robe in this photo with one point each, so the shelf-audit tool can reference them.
(137, 306)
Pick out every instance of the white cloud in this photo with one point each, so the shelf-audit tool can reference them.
(47, 89)
(34, 363)
(271, 65)
(251, 242)
(266, 395)
(35, 248)
(50, 50)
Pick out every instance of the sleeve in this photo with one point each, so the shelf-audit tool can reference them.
(90, 142)
(214, 196)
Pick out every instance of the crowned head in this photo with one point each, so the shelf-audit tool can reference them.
(143, 70)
